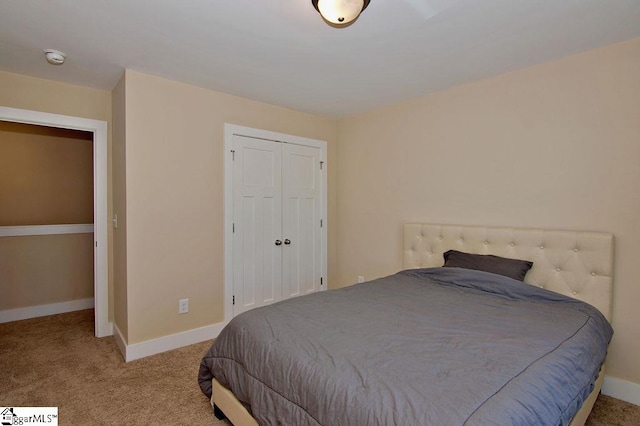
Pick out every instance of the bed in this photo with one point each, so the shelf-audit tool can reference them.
(430, 345)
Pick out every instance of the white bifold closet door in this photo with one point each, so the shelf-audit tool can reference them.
(277, 207)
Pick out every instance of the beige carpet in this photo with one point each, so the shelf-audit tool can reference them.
(56, 361)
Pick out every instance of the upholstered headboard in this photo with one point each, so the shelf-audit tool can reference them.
(576, 264)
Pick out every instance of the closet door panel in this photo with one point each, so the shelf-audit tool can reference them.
(302, 204)
(257, 260)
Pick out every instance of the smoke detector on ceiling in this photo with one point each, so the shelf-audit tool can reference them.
(54, 57)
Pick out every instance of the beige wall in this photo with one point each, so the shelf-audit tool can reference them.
(554, 146)
(19, 91)
(46, 175)
(45, 269)
(174, 197)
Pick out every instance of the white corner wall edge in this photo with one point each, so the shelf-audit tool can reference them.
(44, 310)
(166, 343)
(621, 389)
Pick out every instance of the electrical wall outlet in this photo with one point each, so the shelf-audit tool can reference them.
(360, 279)
(183, 306)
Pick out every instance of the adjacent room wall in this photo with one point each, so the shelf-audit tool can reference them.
(46, 178)
(554, 146)
(45, 269)
(174, 197)
(46, 175)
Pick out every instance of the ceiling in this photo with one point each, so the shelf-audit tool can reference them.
(282, 53)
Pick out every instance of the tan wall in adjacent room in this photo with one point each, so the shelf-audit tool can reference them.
(46, 178)
(174, 197)
(552, 146)
(37, 94)
(46, 175)
(45, 269)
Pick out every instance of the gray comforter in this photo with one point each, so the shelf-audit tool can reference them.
(440, 346)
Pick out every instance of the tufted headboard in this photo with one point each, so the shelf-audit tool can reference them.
(576, 264)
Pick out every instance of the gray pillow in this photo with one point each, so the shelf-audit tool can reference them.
(512, 268)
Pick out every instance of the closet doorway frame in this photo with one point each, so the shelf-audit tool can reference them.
(229, 131)
(100, 255)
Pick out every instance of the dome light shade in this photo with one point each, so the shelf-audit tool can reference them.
(340, 13)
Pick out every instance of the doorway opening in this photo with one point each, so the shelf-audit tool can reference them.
(98, 130)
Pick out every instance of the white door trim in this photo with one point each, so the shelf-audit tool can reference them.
(229, 131)
(23, 231)
(101, 261)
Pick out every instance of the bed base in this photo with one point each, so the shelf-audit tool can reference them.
(226, 405)
(581, 416)
(224, 401)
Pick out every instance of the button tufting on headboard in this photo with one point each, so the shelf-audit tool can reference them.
(576, 264)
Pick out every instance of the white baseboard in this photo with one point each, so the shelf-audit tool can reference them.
(44, 310)
(166, 343)
(621, 389)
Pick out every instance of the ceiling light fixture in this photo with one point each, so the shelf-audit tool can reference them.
(340, 13)
(54, 57)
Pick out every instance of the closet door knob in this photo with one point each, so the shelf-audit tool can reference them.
(278, 242)
(287, 241)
